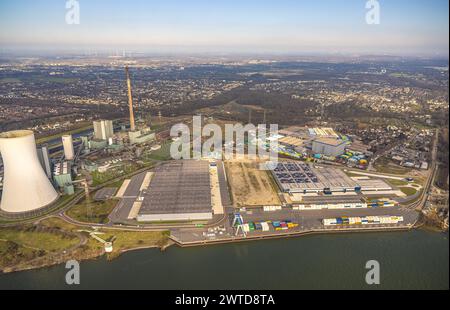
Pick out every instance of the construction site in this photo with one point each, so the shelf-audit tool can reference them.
(250, 186)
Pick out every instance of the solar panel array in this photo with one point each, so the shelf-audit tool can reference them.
(293, 173)
(297, 177)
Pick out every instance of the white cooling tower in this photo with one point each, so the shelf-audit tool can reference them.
(26, 186)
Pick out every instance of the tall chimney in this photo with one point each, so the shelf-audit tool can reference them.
(130, 101)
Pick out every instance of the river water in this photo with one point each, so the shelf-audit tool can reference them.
(408, 260)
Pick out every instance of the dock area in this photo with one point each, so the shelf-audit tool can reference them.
(309, 222)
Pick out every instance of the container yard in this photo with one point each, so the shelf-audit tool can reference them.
(258, 225)
(268, 226)
(366, 220)
(382, 203)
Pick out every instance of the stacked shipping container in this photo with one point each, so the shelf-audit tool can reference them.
(367, 220)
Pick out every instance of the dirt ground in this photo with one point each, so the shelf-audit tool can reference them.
(250, 186)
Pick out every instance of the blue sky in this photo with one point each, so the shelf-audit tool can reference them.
(275, 26)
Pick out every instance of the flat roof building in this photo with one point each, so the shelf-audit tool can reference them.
(329, 146)
(178, 191)
(302, 178)
(295, 177)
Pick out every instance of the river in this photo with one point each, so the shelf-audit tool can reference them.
(408, 260)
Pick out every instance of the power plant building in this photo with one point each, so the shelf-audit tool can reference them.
(103, 130)
(69, 152)
(62, 174)
(139, 137)
(26, 185)
(98, 144)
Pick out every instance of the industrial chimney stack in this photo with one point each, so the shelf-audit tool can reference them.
(130, 101)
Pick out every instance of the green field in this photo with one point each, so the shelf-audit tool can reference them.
(24, 243)
(36, 238)
(397, 182)
(55, 241)
(162, 154)
(122, 240)
(93, 212)
(125, 240)
(409, 191)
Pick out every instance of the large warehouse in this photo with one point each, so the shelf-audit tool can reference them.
(329, 146)
(295, 177)
(302, 178)
(178, 191)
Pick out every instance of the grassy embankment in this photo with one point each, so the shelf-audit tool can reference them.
(23, 244)
(408, 191)
(122, 240)
(54, 241)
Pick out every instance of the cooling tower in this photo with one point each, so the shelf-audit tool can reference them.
(26, 186)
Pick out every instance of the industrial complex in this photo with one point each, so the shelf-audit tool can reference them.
(323, 145)
(202, 201)
(34, 177)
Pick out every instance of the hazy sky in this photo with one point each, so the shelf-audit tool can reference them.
(407, 27)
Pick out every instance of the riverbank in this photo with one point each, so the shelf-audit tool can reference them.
(53, 242)
(124, 242)
(294, 234)
(432, 222)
